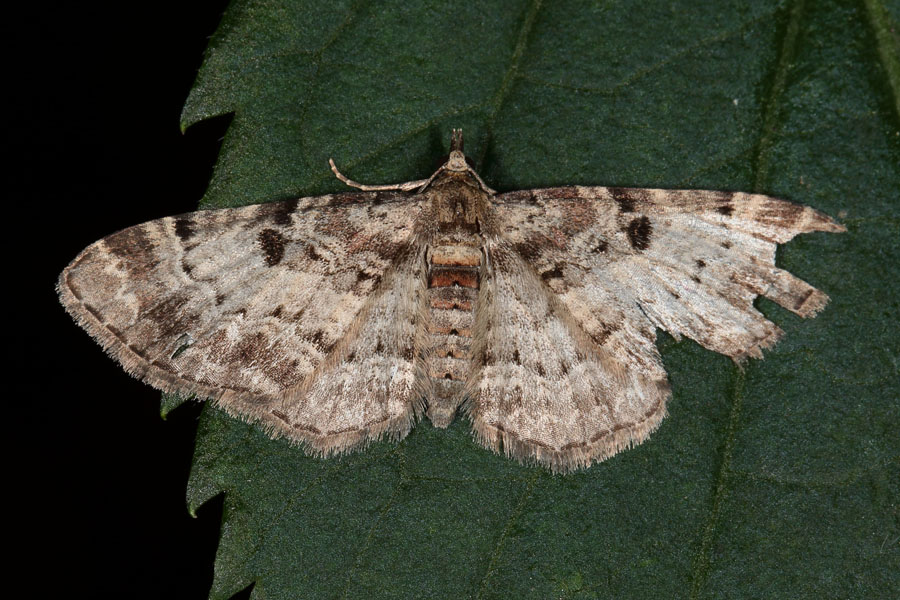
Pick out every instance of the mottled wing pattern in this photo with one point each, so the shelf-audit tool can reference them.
(541, 388)
(374, 382)
(618, 263)
(693, 261)
(264, 307)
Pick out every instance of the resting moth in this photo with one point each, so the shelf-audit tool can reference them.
(335, 320)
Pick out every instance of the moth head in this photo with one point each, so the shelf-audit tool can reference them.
(457, 167)
(456, 162)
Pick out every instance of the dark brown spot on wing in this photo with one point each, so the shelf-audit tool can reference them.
(779, 214)
(263, 351)
(312, 254)
(601, 246)
(800, 301)
(603, 332)
(554, 273)
(526, 196)
(623, 198)
(135, 248)
(528, 250)
(344, 198)
(725, 206)
(317, 338)
(560, 193)
(485, 358)
(184, 228)
(700, 263)
(279, 213)
(272, 244)
(170, 316)
(639, 232)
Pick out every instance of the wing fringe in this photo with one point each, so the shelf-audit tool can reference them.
(573, 456)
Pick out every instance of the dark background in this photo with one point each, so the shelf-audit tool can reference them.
(95, 133)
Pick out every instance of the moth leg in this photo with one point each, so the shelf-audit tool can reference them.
(403, 187)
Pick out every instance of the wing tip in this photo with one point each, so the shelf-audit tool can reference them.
(812, 304)
(112, 345)
(819, 221)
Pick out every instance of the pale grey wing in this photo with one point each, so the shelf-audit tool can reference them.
(541, 388)
(692, 261)
(249, 306)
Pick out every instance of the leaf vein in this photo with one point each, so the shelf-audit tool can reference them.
(888, 46)
(512, 72)
(513, 515)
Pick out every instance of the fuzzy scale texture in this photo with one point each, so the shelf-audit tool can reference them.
(339, 319)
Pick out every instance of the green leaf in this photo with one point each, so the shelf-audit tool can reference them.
(781, 480)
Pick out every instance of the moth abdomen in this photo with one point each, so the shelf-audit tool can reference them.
(453, 276)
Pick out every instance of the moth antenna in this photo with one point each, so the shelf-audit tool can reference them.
(403, 187)
(456, 140)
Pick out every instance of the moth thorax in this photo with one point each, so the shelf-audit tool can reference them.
(458, 207)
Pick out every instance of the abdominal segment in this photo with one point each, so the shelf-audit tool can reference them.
(454, 273)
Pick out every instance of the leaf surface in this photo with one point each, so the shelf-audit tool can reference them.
(780, 480)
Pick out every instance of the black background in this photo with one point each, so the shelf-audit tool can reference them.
(99, 477)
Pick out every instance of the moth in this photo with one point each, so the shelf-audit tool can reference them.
(336, 320)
